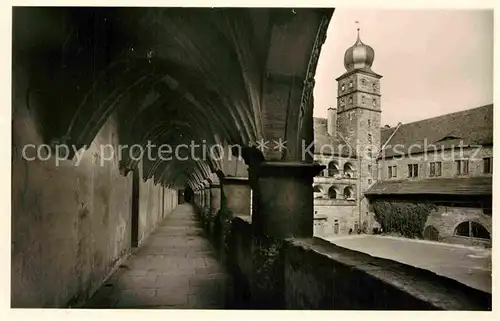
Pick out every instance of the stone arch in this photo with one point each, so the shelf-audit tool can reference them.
(431, 233)
(349, 193)
(472, 229)
(332, 192)
(348, 170)
(333, 168)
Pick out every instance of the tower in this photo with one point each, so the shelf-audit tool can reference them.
(359, 116)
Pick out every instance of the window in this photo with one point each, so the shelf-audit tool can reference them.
(392, 171)
(370, 169)
(343, 87)
(374, 86)
(487, 165)
(350, 84)
(332, 169)
(412, 170)
(321, 174)
(336, 227)
(316, 189)
(462, 167)
(362, 99)
(363, 82)
(369, 138)
(472, 229)
(350, 100)
(348, 193)
(369, 123)
(374, 102)
(348, 170)
(369, 152)
(332, 193)
(435, 169)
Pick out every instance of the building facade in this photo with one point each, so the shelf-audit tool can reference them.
(445, 161)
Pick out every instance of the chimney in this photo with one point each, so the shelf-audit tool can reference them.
(331, 121)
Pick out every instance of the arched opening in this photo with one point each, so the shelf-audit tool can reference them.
(472, 229)
(322, 173)
(317, 191)
(431, 233)
(333, 168)
(348, 170)
(348, 193)
(332, 192)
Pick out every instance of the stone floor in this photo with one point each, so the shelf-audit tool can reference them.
(175, 267)
(468, 265)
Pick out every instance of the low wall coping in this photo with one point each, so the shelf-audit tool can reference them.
(441, 292)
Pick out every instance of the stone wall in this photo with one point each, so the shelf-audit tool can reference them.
(446, 218)
(71, 222)
(447, 157)
(315, 274)
(344, 213)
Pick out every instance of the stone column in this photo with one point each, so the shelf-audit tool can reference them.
(283, 198)
(237, 194)
(215, 201)
(206, 208)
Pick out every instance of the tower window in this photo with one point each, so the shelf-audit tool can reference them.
(342, 88)
(374, 86)
(350, 100)
(363, 99)
(363, 82)
(370, 138)
(350, 84)
(374, 102)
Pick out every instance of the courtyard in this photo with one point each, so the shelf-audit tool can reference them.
(468, 265)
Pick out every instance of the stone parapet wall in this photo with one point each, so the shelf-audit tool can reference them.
(315, 274)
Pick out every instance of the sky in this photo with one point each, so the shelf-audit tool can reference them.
(433, 62)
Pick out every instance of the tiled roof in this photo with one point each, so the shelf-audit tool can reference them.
(470, 127)
(442, 186)
(328, 144)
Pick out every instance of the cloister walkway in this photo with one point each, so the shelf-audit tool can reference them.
(176, 267)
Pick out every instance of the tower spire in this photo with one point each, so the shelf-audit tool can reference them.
(357, 24)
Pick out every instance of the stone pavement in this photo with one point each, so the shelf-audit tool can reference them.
(175, 267)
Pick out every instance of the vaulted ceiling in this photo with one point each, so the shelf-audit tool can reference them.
(171, 75)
